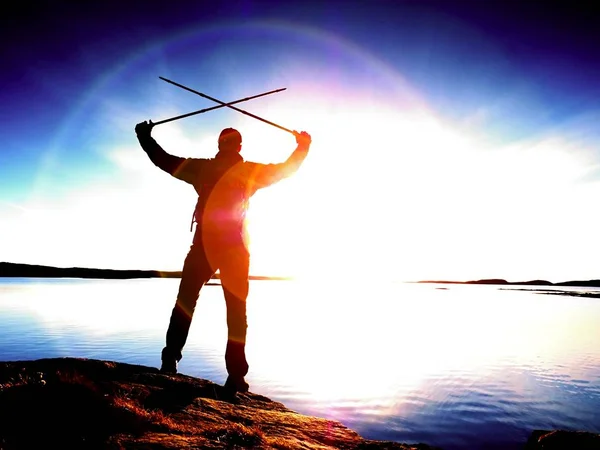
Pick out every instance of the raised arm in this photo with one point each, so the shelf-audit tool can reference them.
(267, 174)
(181, 168)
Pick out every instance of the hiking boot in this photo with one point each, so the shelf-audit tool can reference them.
(169, 362)
(236, 384)
(169, 366)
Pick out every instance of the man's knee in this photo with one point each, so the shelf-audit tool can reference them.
(189, 288)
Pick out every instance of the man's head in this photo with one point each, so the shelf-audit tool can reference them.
(230, 140)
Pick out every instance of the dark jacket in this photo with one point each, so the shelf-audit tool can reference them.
(224, 183)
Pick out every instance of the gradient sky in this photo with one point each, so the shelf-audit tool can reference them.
(451, 140)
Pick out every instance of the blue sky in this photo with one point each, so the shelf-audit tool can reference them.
(451, 139)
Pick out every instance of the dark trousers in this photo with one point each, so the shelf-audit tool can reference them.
(232, 259)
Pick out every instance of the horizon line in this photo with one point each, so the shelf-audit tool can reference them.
(26, 270)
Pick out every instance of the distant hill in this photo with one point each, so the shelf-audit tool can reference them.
(36, 271)
(499, 281)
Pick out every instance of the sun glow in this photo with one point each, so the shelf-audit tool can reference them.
(405, 195)
(345, 212)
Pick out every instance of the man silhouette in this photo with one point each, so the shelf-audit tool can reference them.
(224, 185)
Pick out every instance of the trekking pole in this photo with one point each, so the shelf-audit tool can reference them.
(200, 111)
(228, 105)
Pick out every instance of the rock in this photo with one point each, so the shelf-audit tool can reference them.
(84, 403)
(563, 440)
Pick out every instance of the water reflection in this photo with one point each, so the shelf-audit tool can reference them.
(394, 361)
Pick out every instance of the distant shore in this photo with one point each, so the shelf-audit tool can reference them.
(8, 269)
(37, 271)
(501, 282)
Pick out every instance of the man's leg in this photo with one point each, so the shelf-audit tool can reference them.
(234, 269)
(196, 272)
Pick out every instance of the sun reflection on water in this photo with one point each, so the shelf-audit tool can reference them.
(383, 348)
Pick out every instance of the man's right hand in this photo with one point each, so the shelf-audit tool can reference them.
(144, 128)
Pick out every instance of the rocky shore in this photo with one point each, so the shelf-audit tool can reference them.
(72, 403)
(81, 403)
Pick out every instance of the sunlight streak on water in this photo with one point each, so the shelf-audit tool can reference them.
(454, 367)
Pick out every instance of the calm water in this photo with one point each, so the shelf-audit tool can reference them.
(454, 366)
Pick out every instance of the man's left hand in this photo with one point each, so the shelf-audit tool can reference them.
(303, 139)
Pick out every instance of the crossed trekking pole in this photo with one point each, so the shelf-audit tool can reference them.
(223, 105)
